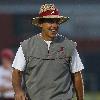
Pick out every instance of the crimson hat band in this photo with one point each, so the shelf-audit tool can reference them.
(49, 12)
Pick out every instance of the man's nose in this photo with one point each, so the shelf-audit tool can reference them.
(55, 25)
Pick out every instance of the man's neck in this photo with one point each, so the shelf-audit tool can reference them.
(46, 38)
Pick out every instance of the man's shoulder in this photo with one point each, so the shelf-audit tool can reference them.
(66, 39)
(26, 41)
(70, 41)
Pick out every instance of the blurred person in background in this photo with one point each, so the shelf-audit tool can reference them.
(49, 62)
(6, 89)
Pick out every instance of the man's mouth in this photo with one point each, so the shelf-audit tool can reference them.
(53, 30)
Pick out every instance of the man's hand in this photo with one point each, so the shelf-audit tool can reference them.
(3, 89)
(20, 95)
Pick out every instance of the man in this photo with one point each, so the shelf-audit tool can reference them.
(49, 62)
(6, 89)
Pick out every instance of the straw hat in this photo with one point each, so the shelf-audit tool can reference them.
(49, 11)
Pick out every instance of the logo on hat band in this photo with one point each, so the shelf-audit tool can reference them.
(48, 13)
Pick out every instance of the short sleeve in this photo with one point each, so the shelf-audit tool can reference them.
(19, 60)
(76, 64)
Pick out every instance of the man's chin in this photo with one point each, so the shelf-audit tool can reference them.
(53, 36)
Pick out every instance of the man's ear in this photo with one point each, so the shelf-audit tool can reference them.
(40, 25)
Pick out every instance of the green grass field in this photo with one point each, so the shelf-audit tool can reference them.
(91, 96)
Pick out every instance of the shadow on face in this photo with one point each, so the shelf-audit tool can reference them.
(49, 20)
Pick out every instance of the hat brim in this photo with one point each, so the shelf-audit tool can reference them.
(35, 21)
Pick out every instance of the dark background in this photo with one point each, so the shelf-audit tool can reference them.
(83, 27)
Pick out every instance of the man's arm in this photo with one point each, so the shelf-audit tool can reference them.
(78, 85)
(16, 82)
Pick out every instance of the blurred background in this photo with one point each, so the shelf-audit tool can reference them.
(83, 27)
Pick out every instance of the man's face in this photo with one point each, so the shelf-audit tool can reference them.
(50, 27)
(5, 62)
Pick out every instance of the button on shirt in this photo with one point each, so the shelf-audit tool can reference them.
(20, 62)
